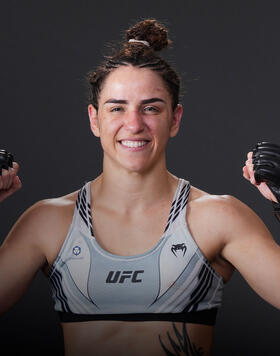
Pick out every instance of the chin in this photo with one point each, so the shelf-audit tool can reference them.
(140, 168)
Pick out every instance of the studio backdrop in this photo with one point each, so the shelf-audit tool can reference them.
(227, 54)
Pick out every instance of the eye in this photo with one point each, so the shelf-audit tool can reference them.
(151, 109)
(116, 109)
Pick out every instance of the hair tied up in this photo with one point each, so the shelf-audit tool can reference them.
(146, 43)
(138, 50)
(151, 31)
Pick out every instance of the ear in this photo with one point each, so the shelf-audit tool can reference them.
(175, 124)
(93, 118)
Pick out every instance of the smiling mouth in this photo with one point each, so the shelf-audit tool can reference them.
(133, 144)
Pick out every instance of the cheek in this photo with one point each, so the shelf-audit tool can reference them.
(109, 127)
(109, 132)
(159, 127)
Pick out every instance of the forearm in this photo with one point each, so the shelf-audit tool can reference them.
(17, 270)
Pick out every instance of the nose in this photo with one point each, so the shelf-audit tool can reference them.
(134, 122)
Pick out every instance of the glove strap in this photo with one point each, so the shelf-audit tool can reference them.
(276, 210)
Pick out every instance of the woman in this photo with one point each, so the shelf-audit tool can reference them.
(138, 258)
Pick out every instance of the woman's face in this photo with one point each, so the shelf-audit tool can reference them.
(135, 119)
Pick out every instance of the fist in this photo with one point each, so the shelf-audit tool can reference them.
(262, 169)
(9, 180)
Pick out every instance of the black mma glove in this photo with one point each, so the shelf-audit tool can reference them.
(6, 160)
(266, 161)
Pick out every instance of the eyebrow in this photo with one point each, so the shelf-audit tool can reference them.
(146, 101)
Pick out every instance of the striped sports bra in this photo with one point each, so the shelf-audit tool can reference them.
(172, 282)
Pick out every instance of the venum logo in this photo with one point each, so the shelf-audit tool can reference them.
(121, 276)
(178, 247)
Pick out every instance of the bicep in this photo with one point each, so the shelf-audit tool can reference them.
(20, 259)
(254, 253)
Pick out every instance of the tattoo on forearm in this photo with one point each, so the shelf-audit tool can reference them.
(181, 344)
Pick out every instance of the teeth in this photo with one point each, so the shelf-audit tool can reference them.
(133, 143)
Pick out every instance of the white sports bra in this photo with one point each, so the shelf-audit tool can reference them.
(173, 281)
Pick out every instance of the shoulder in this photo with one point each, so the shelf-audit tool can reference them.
(227, 215)
(43, 220)
(48, 211)
(218, 205)
(212, 204)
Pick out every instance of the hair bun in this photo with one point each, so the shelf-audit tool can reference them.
(151, 31)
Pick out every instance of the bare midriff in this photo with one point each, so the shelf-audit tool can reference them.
(131, 338)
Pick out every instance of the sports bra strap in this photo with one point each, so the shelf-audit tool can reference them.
(179, 205)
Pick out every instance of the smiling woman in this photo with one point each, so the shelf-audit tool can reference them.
(137, 258)
(134, 115)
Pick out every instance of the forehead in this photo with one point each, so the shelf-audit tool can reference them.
(132, 83)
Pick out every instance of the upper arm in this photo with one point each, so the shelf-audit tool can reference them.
(21, 255)
(252, 250)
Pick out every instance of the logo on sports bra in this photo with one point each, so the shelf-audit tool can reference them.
(178, 247)
(76, 250)
(121, 276)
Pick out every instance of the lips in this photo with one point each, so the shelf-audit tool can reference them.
(133, 143)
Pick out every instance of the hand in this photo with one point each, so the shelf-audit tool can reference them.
(249, 174)
(9, 181)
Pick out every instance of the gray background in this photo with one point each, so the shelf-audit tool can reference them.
(228, 55)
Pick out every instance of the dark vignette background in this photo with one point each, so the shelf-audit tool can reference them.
(228, 55)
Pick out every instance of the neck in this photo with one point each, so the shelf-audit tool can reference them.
(124, 190)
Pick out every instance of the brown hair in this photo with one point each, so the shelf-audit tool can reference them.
(140, 55)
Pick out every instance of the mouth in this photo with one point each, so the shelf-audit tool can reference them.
(134, 143)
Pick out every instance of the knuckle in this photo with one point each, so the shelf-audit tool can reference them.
(5, 172)
(15, 166)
